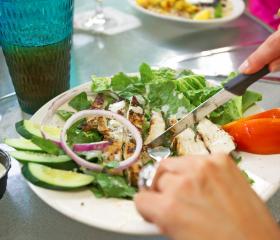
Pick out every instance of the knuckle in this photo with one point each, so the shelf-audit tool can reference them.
(207, 166)
(185, 183)
(169, 206)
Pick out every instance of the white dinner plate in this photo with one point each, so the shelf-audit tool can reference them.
(120, 215)
(237, 5)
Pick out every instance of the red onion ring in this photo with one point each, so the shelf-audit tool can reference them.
(101, 113)
(85, 147)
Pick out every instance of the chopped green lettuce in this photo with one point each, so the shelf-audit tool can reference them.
(165, 94)
(75, 134)
(121, 81)
(100, 84)
(64, 115)
(110, 186)
(229, 112)
(146, 73)
(218, 11)
(190, 82)
(80, 102)
(168, 90)
(249, 99)
(164, 74)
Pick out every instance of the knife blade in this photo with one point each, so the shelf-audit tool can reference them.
(235, 87)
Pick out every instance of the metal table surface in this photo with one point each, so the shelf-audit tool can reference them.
(23, 216)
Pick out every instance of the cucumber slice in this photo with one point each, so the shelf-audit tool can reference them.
(28, 129)
(22, 144)
(32, 128)
(59, 162)
(25, 156)
(50, 178)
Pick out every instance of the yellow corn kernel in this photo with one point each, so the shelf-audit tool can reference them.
(172, 2)
(143, 3)
(192, 8)
(203, 15)
(155, 2)
(164, 4)
(179, 5)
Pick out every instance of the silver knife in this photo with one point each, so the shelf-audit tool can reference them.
(235, 87)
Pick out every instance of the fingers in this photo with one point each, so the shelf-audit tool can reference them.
(275, 66)
(147, 204)
(175, 165)
(268, 52)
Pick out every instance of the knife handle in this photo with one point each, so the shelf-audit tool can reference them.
(241, 82)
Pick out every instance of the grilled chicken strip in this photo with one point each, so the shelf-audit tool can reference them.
(188, 143)
(215, 139)
(135, 115)
(116, 133)
(98, 102)
(157, 126)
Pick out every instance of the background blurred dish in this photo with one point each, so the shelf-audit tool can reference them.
(238, 7)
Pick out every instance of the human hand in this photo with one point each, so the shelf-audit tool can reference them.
(267, 53)
(205, 197)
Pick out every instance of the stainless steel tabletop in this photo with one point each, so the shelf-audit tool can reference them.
(23, 216)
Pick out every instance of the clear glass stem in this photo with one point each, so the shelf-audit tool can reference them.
(98, 20)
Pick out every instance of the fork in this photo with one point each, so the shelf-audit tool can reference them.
(148, 172)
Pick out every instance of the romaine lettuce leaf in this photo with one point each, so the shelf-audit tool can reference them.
(80, 102)
(76, 134)
(64, 115)
(190, 82)
(165, 94)
(110, 186)
(146, 73)
(199, 96)
(121, 81)
(163, 74)
(100, 84)
(229, 112)
(249, 99)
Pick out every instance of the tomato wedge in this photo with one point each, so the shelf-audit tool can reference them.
(259, 136)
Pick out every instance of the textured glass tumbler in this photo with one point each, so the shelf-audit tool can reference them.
(36, 40)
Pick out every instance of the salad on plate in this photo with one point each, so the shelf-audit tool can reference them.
(94, 137)
(189, 9)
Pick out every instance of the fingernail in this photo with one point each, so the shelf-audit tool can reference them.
(244, 66)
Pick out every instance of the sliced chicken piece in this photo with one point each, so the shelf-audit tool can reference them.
(135, 113)
(98, 102)
(215, 139)
(157, 126)
(113, 152)
(118, 107)
(188, 142)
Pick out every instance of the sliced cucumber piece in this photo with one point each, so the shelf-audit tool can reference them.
(28, 129)
(50, 178)
(59, 162)
(52, 131)
(22, 144)
(25, 156)
(32, 127)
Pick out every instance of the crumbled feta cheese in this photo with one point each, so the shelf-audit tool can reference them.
(137, 109)
(165, 108)
(115, 107)
(182, 111)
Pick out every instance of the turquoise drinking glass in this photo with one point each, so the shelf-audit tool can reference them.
(35, 36)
